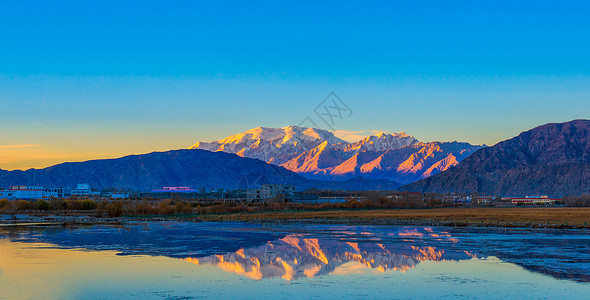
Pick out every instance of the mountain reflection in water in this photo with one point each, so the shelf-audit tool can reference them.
(155, 260)
(294, 256)
(305, 250)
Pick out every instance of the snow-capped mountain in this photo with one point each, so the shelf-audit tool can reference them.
(273, 145)
(319, 154)
(383, 142)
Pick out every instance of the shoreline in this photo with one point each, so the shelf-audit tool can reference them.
(344, 222)
(543, 218)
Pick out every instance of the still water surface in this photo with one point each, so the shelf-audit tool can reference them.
(237, 260)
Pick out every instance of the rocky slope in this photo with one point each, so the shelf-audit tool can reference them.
(404, 165)
(553, 159)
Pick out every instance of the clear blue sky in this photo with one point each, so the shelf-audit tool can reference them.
(80, 80)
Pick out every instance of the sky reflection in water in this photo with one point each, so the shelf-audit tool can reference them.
(187, 260)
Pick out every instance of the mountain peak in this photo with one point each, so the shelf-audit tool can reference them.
(318, 153)
(384, 141)
(276, 145)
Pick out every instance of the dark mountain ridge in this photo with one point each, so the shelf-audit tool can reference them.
(194, 168)
(552, 159)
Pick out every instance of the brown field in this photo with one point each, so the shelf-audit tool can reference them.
(520, 215)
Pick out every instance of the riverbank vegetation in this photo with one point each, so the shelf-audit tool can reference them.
(116, 208)
(372, 205)
(577, 201)
(376, 211)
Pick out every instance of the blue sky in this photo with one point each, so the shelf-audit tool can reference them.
(91, 80)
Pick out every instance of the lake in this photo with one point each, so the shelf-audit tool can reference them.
(178, 260)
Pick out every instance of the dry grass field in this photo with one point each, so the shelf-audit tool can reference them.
(520, 215)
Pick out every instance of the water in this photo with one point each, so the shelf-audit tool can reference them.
(236, 260)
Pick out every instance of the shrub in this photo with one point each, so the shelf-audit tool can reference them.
(43, 205)
(22, 205)
(583, 200)
(56, 203)
(143, 209)
(182, 207)
(87, 204)
(68, 204)
(165, 207)
(114, 210)
(353, 204)
(100, 209)
(4, 203)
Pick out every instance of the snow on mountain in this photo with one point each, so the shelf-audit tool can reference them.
(383, 142)
(318, 154)
(273, 145)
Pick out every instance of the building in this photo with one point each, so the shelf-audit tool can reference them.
(83, 189)
(175, 189)
(175, 192)
(457, 199)
(7, 194)
(114, 195)
(27, 192)
(236, 195)
(56, 192)
(534, 200)
(483, 200)
(119, 195)
(269, 191)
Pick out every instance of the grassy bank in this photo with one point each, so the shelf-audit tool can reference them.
(554, 217)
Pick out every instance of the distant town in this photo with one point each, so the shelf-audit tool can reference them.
(28, 192)
(271, 193)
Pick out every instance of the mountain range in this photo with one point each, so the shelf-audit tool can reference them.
(553, 159)
(194, 168)
(319, 154)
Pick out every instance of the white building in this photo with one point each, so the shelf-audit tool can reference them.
(83, 189)
(27, 192)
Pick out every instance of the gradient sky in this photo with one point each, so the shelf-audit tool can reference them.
(85, 80)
